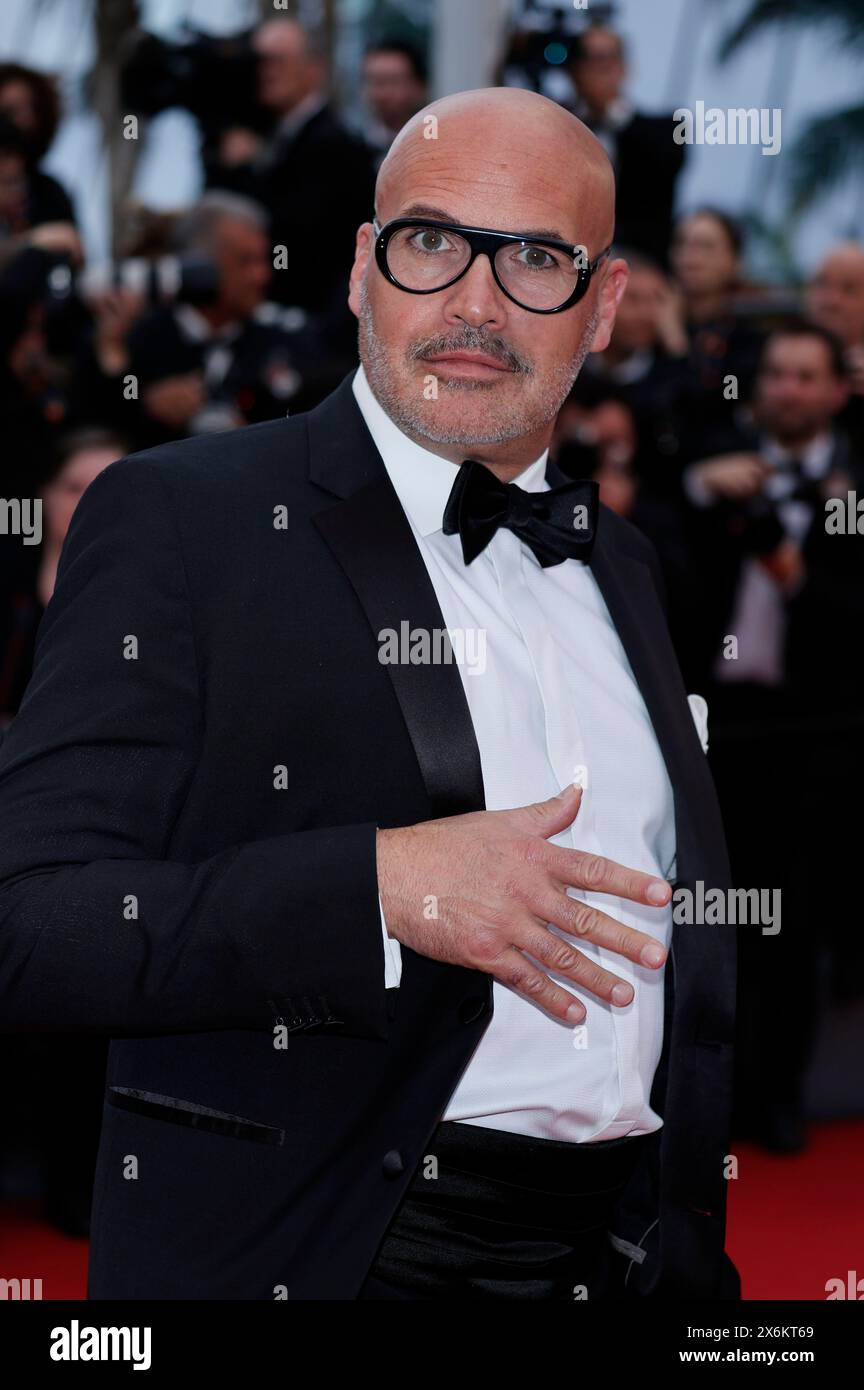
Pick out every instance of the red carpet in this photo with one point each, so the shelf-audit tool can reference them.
(797, 1221)
(30, 1249)
(794, 1223)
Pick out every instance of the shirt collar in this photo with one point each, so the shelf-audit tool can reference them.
(199, 329)
(633, 368)
(815, 458)
(301, 114)
(422, 480)
(617, 114)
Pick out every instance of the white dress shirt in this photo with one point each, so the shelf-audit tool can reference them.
(554, 701)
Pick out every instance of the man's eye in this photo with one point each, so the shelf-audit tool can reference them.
(429, 241)
(535, 258)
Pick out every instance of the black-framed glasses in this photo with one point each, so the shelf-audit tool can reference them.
(422, 256)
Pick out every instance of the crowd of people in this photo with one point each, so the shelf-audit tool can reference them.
(720, 420)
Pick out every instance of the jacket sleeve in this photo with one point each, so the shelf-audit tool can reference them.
(100, 928)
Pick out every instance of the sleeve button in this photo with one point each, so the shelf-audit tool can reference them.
(392, 1164)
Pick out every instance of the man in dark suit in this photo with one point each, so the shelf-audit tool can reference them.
(388, 1010)
(646, 160)
(315, 177)
(778, 587)
(770, 570)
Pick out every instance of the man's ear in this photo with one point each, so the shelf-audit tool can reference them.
(362, 251)
(611, 293)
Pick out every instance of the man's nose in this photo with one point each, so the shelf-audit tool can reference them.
(476, 299)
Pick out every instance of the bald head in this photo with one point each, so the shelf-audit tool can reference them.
(503, 150)
(848, 255)
(283, 35)
(835, 297)
(469, 366)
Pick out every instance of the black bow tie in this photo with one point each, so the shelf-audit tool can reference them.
(804, 487)
(557, 525)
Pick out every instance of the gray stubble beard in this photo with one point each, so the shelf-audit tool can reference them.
(417, 419)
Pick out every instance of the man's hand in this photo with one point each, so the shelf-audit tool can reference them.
(237, 145)
(174, 399)
(59, 238)
(786, 566)
(732, 476)
(115, 311)
(497, 884)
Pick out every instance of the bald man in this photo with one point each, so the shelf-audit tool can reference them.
(349, 794)
(835, 295)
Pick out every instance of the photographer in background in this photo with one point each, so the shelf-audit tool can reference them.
(781, 604)
(759, 508)
(215, 356)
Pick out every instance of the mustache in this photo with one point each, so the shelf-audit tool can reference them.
(470, 339)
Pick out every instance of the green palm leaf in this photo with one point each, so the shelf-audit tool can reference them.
(846, 17)
(829, 148)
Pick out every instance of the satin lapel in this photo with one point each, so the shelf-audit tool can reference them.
(628, 588)
(370, 536)
(692, 1084)
(699, 988)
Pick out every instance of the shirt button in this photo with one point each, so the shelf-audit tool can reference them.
(392, 1165)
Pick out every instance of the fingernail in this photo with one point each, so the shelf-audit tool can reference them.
(575, 1013)
(652, 955)
(658, 892)
(621, 994)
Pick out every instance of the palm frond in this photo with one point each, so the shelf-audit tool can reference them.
(775, 242)
(845, 17)
(829, 149)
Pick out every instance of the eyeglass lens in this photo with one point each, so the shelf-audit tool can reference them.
(428, 258)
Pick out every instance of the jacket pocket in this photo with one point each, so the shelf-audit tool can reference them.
(186, 1112)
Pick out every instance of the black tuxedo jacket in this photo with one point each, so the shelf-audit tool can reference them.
(190, 795)
(318, 186)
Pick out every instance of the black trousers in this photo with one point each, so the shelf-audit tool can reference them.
(489, 1214)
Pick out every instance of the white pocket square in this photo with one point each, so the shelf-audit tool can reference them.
(699, 710)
